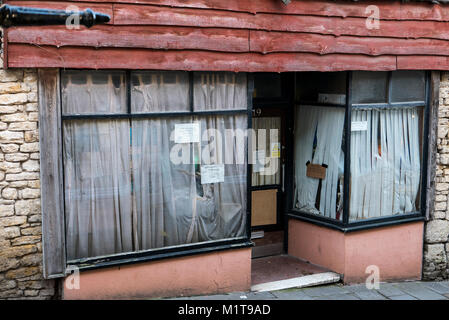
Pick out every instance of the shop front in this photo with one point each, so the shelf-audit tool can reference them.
(181, 142)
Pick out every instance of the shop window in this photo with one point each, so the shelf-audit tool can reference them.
(137, 174)
(377, 171)
(319, 160)
(386, 150)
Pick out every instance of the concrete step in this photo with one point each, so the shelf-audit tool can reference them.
(299, 282)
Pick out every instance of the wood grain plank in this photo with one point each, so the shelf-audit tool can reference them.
(154, 15)
(53, 236)
(268, 42)
(432, 142)
(105, 8)
(109, 58)
(423, 63)
(389, 10)
(153, 37)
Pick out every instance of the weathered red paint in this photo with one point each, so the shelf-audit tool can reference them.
(389, 10)
(239, 35)
(113, 58)
(151, 37)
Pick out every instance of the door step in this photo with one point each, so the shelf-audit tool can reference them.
(271, 249)
(299, 282)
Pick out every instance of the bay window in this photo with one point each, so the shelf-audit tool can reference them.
(359, 147)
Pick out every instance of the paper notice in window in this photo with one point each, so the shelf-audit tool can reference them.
(213, 173)
(275, 149)
(359, 125)
(187, 132)
(259, 160)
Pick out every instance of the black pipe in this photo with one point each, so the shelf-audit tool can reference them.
(11, 16)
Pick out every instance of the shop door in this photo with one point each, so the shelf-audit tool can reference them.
(267, 175)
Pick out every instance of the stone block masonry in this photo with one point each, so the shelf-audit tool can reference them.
(436, 243)
(20, 210)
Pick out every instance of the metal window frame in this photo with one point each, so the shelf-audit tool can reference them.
(178, 250)
(346, 225)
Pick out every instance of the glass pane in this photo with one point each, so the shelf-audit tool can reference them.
(266, 152)
(97, 180)
(93, 92)
(159, 91)
(219, 91)
(267, 85)
(408, 86)
(188, 192)
(319, 160)
(322, 87)
(181, 193)
(369, 87)
(385, 162)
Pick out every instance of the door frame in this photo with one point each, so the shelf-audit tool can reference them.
(286, 102)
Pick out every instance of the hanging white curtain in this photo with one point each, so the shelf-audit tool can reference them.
(385, 163)
(123, 192)
(219, 91)
(96, 170)
(318, 140)
(160, 91)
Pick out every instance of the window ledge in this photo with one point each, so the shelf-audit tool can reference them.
(358, 225)
(154, 255)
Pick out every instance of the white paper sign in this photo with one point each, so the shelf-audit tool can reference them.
(359, 125)
(213, 173)
(187, 132)
(259, 160)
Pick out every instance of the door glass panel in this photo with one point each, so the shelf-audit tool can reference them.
(266, 151)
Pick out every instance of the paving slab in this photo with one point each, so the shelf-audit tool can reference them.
(437, 287)
(420, 291)
(361, 291)
(292, 294)
(403, 297)
(389, 290)
(344, 296)
(325, 290)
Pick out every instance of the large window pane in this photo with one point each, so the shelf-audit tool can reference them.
(173, 203)
(369, 87)
(159, 91)
(97, 180)
(140, 184)
(407, 86)
(319, 160)
(385, 162)
(93, 92)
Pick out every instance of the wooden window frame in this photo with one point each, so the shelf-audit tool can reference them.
(55, 263)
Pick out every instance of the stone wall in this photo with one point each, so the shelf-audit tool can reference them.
(436, 247)
(20, 213)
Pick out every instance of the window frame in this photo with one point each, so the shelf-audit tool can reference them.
(58, 248)
(345, 225)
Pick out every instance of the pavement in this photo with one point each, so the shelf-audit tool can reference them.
(413, 290)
